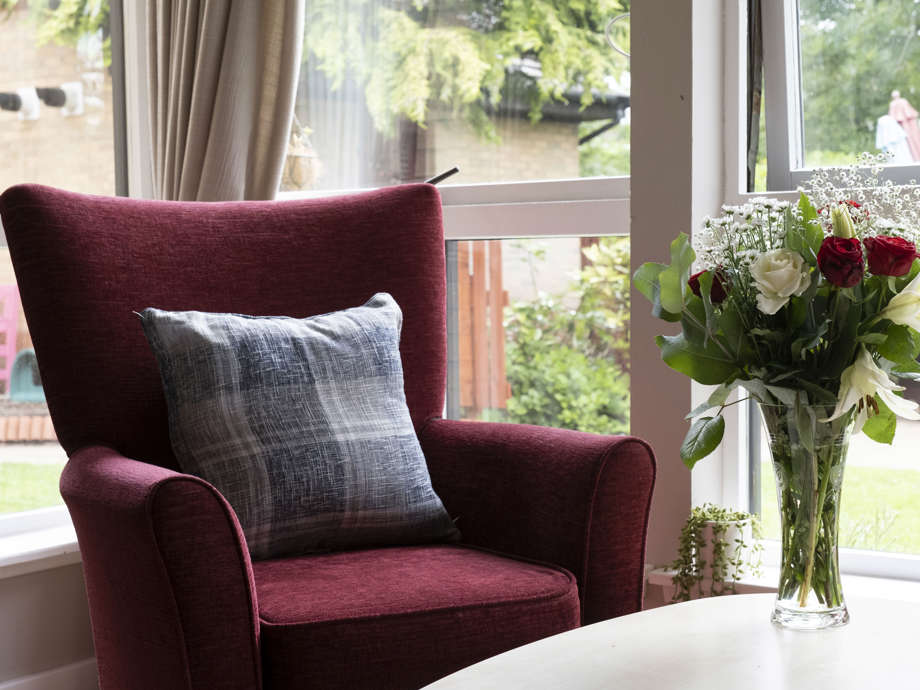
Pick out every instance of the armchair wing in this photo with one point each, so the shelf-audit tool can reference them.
(169, 578)
(569, 498)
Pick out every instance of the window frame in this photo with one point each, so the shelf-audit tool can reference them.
(733, 470)
(783, 104)
(51, 517)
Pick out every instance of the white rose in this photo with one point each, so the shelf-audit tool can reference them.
(779, 274)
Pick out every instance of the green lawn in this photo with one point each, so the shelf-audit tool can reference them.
(881, 510)
(26, 486)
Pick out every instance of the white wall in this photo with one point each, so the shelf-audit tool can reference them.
(44, 626)
(676, 179)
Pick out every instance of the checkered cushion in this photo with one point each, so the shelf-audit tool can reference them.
(301, 424)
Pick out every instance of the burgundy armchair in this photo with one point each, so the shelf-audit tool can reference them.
(553, 521)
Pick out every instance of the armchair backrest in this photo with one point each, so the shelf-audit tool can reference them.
(85, 263)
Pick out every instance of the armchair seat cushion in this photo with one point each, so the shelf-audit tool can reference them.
(402, 617)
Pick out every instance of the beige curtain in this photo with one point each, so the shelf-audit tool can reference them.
(222, 78)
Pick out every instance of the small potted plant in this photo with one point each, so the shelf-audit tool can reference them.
(719, 546)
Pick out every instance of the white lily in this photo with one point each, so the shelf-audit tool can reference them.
(904, 307)
(864, 379)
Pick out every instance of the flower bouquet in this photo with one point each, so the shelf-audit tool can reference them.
(814, 309)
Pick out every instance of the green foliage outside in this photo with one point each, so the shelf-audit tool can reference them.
(67, 22)
(879, 508)
(26, 486)
(567, 356)
(854, 54)
(606, 154)
(414, 54)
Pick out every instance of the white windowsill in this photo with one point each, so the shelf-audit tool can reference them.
(37, 540)
(853, 585)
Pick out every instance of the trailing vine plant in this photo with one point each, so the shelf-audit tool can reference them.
(731, 561)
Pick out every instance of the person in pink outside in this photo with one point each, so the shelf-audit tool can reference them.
(902, 111)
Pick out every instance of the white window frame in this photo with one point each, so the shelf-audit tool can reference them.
(726, 480)
(554, 208)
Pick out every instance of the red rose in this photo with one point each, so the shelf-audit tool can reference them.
(841, 260)
(889, 256)
(717, 293)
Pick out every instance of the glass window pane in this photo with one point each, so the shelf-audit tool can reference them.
(539, 332)
(396, 91)
(55, 129)
(860, 83)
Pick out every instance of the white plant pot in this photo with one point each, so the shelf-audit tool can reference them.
(739, 542)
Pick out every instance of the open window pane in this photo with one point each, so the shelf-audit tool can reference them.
(55, 129)
(860, 82)
(538, 332)
(396, 91)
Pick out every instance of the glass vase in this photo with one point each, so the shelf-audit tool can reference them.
(808, 460)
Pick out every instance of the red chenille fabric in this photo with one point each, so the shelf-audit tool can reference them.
(553, 521)
(401, 617)
(577, 500)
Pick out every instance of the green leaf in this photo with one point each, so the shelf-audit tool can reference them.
(703, 364)
(798, 308)
(757, 390)
(881, 427)
(647, 281)
(818, 394)
(706, 292)
(900, 345)
(904, 368)
(901, 283)
(843, 349)
(673, 279)
(811, 230)
(785, 395)
(800, 346)
(805, 423)
(872, 338)
(693, 322)
(704, 436)
(733, 330)
(715, 399)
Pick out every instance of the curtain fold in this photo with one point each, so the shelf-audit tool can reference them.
(222, 80)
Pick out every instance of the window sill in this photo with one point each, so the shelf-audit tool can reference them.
(45, 540)
(854, 585)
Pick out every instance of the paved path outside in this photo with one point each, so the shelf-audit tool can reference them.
(903, 454)
(49, 453)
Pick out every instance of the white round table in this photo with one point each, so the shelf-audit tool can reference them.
(709, 644)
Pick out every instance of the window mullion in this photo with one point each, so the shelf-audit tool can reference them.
(783, 92)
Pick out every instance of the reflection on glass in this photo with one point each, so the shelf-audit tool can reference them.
(860, 82)
(396, 91)
(539, 332)
(55, 129)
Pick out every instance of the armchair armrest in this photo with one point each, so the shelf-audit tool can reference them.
(574, 499)
(167, 574)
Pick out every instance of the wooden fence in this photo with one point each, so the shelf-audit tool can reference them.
(481, 302)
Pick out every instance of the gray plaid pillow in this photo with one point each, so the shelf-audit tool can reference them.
(301, 424)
